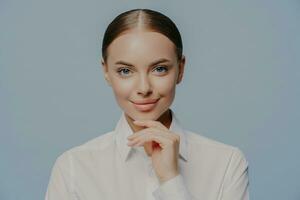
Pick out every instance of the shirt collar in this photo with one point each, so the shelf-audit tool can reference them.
(123, 130)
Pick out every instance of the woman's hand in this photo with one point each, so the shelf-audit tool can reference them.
(164, 150)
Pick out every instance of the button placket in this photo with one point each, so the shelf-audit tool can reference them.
(149, 167)
(152, 181)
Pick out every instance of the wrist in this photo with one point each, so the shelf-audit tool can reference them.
(166, 178)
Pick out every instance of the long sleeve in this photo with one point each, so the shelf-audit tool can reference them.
(235, 187)
(236, 182)
(173, 189)
(59, 186)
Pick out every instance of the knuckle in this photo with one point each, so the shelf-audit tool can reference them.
(173, 141)
(177, 137)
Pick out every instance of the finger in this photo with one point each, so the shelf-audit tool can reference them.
(132, 142)
(170, 138)
(147, 131)
(150, 123)
(167, 134)
(163, 142)
(143, 131)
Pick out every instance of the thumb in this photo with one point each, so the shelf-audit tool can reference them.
(149, 147)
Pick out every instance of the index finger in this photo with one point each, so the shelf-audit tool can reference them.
(150, 123)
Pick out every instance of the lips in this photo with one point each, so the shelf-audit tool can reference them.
(145, 101)
(145, 105)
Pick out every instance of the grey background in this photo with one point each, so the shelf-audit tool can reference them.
(241, 85)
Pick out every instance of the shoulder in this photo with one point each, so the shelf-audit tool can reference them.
(200, 140)
(213, 148)
(94, 145)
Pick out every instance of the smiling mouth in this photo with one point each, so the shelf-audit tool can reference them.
(145, 106)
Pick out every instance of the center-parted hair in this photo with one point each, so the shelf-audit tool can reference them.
(146, 19)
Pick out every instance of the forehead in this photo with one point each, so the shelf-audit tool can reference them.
(141, 47)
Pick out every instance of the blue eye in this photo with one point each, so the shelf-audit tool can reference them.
(161, 69)
(125, 70)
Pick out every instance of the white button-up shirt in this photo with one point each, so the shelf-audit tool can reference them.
(106, 168)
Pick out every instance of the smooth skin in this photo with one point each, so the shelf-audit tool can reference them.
(130, 71)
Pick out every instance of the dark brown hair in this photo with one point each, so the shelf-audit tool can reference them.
(149, 20)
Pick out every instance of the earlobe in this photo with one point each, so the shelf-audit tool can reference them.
(107, 79)
(105, 71)
(181, 69)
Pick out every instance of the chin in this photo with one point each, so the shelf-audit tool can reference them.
(151, 115)
(136, 115)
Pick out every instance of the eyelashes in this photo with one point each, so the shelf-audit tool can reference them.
(119, 71)
(124, 71)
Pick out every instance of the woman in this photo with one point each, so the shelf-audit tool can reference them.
(149, 155)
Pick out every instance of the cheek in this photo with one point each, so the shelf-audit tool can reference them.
(122, 88)
(165, 86)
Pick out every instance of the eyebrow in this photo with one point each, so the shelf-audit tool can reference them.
(151, 64)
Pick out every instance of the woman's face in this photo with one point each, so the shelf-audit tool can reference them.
(142, 66)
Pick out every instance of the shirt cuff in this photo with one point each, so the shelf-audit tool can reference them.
(173, 189)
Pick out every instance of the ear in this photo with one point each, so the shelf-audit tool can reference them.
(105, 71)
(181, 66)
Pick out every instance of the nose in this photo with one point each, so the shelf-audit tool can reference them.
(144, 85)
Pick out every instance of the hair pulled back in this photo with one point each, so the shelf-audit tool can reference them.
(146, 19)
